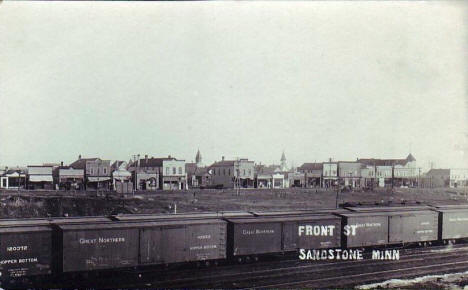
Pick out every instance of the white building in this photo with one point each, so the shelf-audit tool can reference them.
(459, 177)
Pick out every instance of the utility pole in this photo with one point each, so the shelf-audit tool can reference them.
(419, 177)
(393, 174)
(337, 193)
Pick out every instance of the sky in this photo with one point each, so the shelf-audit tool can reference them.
(319, 80)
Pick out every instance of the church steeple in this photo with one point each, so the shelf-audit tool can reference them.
(198, 158)
(283, 157)
(283, 162)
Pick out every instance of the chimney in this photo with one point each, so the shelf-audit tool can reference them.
(169, 156)
(222, 158)
(61, 163)
(146, 158)
(79, 157)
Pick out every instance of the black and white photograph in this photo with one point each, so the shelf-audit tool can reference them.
(233, 144)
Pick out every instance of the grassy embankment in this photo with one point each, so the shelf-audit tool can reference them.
(52, 203)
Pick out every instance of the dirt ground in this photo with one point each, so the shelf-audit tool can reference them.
(52, 203)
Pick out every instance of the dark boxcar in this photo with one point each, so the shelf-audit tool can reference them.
(311, 232)
(454, 223)
(251, 236)
(307, 229)
(97, 246)
(412, 226)
(25, 250)
(365, 229)
(182, 241)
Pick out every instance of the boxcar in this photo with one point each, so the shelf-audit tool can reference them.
(174, 241)
(408, 226)
(311, 232)
(454, 223)
(276, 233)
(254, 235)
(299, 226)
(25, 250)
(378, 226)
(370, 229)
(86, 247)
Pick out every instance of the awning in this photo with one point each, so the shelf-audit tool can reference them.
(40, 178)
(264, 177)
(121, 174)
(15, 174)
(67, 176)
(98, 178)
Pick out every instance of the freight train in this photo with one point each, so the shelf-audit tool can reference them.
(56, 247)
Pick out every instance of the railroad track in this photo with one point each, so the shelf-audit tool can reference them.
(317, 275)
(291, 272)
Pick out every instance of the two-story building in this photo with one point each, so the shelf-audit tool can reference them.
(173, 176)
(145, 174)
(40, 177)
(368, 176)
(97, 172)
(396, 172)
(349, 173)
(312, 174)
(233, 173)
(168, 172)
(330, 174)
(121, 177)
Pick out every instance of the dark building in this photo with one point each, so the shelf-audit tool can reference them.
(97, 172)
(68, 178)
(312, 173)
(169, 171)
(437, 178)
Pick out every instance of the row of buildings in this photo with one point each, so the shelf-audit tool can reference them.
(169, 173)
(96, 174)
(359, 173)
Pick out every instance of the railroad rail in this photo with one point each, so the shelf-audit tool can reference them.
(290, 272)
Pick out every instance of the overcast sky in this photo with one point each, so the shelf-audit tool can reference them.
(235, 79)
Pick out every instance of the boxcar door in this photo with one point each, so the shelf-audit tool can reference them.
(173, 243)
(395, 229)
(150, 246)
(206, 242)
(290, 236)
